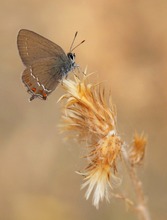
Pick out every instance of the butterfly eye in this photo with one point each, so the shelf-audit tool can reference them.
(71, 56)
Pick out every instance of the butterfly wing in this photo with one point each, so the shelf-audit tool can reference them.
(42, 77)
(33, 46)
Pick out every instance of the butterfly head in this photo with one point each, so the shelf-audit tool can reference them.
(71, 57)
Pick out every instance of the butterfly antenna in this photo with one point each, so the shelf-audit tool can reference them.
(78, 45)
(73, 40)
(71, 49)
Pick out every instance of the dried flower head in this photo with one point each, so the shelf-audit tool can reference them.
(137, 149)
(93, 119)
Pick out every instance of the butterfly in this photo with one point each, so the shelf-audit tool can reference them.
(46, 63)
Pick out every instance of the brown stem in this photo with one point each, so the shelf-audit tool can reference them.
(124, 198)
(140, 206)
(140, 197)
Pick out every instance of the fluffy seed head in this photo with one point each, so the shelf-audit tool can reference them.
(92, 119)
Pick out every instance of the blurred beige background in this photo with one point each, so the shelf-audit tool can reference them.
(126, 44)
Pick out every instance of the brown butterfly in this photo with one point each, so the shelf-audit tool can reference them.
(46, 63)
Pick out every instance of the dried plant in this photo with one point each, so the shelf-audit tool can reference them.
(137, 149)
(90, 116)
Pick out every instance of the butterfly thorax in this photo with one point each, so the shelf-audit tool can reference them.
(65, 64)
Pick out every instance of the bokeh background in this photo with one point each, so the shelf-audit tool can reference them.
(126, 45)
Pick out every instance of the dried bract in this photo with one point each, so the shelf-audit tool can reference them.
(137, 149)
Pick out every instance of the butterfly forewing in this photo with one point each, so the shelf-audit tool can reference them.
(33, 46)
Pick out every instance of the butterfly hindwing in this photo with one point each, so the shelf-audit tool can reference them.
(41, 78)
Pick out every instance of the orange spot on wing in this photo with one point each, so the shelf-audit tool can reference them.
(44, 95)
(33, 89)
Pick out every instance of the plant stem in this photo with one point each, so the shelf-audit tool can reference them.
(141, 206)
